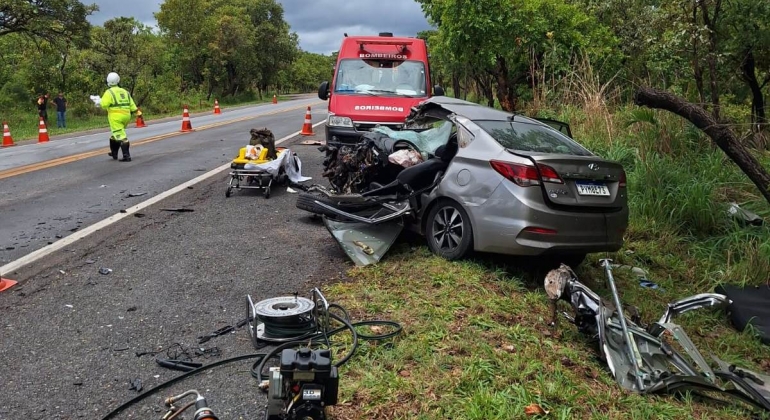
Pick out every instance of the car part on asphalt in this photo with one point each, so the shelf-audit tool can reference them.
(364, 243)
(222, 331)
(136, 385)
(323, 314)
(510, 185)
(645, 360)
(180, 365)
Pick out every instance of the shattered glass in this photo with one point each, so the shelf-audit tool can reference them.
(425, 141)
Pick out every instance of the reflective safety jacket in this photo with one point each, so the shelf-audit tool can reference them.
(119, 105)
(117, 101)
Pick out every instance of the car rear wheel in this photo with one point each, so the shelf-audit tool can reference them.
(449, 231)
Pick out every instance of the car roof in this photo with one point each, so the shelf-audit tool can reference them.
(474, 111)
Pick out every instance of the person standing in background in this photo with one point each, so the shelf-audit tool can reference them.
(61, 108)
(42, 107)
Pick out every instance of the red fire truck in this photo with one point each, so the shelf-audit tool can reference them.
(377, 79)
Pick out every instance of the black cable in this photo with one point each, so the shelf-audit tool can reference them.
(170, 382)
(258, 367)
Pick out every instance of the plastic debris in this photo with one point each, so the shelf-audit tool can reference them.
(136, 385)
(105, 271)
(744, 216)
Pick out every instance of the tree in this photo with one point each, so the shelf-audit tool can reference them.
(189, 25)
(275, 45)
(507, 39)
(122, 46)
(721, 134)
(47, 19)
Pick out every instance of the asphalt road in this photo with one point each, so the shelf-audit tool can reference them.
(41, 206)
(69, 335)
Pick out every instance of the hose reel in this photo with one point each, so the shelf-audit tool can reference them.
(286, 318)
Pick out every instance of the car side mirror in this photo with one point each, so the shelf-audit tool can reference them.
(438, 91)
(323, 91)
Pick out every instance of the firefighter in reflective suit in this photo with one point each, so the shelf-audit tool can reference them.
(119, 106)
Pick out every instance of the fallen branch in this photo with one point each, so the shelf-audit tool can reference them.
(722, 136)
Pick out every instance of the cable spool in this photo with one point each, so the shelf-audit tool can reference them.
(282, 319)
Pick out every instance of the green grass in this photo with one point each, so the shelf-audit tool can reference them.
(475, 343)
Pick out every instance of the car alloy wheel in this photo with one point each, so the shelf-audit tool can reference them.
(449, 230)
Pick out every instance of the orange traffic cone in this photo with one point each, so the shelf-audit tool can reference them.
(7, 139)
(140, 119)
(42, 132)
(6, 284)
(307, 128)
(275, 99)
(186, 124)
(216, 107)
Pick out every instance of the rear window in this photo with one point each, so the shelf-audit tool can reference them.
(527, 137)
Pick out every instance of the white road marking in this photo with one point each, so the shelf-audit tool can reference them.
(61, 243)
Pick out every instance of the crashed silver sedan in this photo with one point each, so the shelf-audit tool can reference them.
(485, 180)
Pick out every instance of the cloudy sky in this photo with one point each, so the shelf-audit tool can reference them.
(319, 23)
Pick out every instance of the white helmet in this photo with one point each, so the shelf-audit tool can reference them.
(113, 79)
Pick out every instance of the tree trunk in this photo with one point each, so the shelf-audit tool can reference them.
(721, 134)
(696, 67)
(456, 85)
(748, 70)
(484, 85)
(506, 89)
(711, 57)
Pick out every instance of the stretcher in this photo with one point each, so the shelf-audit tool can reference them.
(244, 175)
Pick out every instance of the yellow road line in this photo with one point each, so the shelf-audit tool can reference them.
(85, 155)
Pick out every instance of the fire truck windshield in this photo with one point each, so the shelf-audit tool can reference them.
(381, 77)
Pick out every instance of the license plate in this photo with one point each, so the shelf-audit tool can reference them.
(592, 189)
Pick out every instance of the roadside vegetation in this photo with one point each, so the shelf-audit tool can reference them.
(475, 342)
(238, 52)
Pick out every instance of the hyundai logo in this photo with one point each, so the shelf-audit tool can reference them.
(593, 166)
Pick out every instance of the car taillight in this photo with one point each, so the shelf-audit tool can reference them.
(549, 174)
(540, 231)
(622, 182)
(525, 175)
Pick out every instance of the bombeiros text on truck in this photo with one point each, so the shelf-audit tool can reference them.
(376, 81)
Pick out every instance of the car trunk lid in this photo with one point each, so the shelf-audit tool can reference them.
(586, 182)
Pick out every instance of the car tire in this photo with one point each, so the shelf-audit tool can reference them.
(448, 230)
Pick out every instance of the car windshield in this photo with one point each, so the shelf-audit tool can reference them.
(529, 137)
(381, 77)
